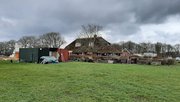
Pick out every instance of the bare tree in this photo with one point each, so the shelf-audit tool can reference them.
(90, 30)
(139, 48)
(177, 48)
(164, 49)
(158, 47)
(52, 39)
(169, 50)
(2, 48)
(32, 41)
(144, 47)
(7, 47)
(28, 41)
(11, 44)
(23, 41)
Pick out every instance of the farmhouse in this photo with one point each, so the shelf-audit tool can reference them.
(96, 48)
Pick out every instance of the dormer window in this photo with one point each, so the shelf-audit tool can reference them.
(78, 44)
(91, 44)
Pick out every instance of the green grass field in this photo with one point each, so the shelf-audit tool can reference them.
(88, 82)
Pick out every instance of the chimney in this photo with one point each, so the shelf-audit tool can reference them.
(95, 36)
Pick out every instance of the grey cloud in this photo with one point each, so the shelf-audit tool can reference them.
(155, 11)
(124, 17)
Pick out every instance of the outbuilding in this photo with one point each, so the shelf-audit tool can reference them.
(33, 55)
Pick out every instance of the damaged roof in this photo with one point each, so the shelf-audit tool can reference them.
(100, 45)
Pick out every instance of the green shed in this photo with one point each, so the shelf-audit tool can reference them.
(32, 55)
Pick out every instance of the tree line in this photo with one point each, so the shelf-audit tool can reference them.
(47, 40)
(162, 49)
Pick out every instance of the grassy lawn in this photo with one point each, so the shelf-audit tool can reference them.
(88, 82)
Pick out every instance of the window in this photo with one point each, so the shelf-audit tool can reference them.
(77, 44)
(91, 44)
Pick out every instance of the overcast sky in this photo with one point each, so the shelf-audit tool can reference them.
(123, 20)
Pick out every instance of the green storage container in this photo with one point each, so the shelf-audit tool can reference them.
(32, 55)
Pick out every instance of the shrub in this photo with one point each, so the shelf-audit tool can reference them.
(168, 62)
(164, 62)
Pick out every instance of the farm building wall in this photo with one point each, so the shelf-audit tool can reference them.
(16, 55)
(64, 55)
